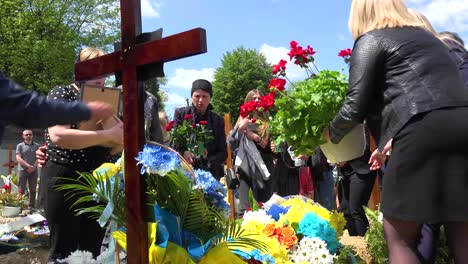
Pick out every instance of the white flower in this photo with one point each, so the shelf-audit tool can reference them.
(311, 250)
(256, 216)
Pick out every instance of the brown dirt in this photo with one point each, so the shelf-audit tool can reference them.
(359, 245)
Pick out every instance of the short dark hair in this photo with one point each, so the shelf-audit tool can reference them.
(454, 36)
(202, 84)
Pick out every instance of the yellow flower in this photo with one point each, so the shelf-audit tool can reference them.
(106, 171)
(337, 222)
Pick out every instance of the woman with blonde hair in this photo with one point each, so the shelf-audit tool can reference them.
(71, 150)
(405, 85)
(250, 143)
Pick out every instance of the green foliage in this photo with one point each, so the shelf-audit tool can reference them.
(375, 237)
(40, 38)
(13, 200)
(88, 188)
(194, 138)
(307, 109)
(175, 193)
(346, 255)
(443, 256)
(153, 86)
(241, 71)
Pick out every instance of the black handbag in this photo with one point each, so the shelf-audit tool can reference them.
(232, 181)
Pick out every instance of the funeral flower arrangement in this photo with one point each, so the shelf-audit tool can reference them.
(297, 229)
(188, 209)
(193, 136)
(306, 109)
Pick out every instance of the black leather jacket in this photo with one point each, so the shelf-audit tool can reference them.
(395, 74)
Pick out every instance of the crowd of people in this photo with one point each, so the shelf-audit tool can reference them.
(407, 83)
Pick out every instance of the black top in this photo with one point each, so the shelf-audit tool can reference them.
(217, 147)
(71, 156)
(395, 74)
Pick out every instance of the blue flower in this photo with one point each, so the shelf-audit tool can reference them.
(276, 210)
(156, 159)
(214, 191)
(313, 226)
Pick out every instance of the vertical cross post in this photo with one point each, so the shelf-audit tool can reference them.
(137, 233)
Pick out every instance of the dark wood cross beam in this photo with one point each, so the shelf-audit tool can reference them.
(126, 61)
(10, 164)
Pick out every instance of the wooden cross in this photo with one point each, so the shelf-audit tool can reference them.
(10, 164)
(127, 60)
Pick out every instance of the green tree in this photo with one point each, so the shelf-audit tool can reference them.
(154, 86)
(241, 71)
(40, 38)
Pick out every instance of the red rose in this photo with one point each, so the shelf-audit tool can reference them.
(253, 120)
(345, 53)
(6, 187)
(203, 122)
(20, 191)
(278, 83)
(193, 125)
(188, 117)
(170, 125)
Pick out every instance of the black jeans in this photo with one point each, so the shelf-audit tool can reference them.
(68, 232)
(354, 193)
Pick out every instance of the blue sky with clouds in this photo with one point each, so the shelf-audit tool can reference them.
(268, 26)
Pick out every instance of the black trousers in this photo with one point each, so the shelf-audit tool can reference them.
(354, 193)
(68, 232)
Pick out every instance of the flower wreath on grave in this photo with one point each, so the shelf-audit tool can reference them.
(189, 213)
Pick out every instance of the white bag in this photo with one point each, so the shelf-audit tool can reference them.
(353, 145)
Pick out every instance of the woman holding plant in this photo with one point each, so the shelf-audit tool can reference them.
(251, 146)
(405, 85)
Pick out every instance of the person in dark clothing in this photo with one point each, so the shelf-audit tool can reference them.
(285, 172)
(354, 191)
(457, 52)
(403, 82)
(324, 182)
(70, 151)
(28, 109)
(201, 110)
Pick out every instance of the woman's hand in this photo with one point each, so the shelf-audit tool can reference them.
(377, 160)
(41, 157)
(243, 124)
(115, 133)
(326, 134)
(188, 156)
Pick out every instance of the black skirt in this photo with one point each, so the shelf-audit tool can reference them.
(426, 179)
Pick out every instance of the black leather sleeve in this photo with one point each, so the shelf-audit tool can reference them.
(366, 61)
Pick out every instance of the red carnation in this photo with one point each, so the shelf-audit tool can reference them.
(248, 107)
(203, 122)
(345, 53)
(188, 117)
(267, 101)
(170, 125)
(6, 186)
(278, 83)
(20, 191)
(253, 120)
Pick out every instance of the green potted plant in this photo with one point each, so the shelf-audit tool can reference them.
(11, 203)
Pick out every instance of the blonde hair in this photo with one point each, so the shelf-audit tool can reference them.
(368, 15)
(90, 53)
(449, 36)
(163, 120)
(423, 20)
(263, 128)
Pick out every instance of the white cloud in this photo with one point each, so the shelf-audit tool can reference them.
(451, 15)
(275, 54)
(176, 100)
(149, 8)
(184, 77)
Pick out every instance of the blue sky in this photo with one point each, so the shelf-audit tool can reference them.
(268, 26)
